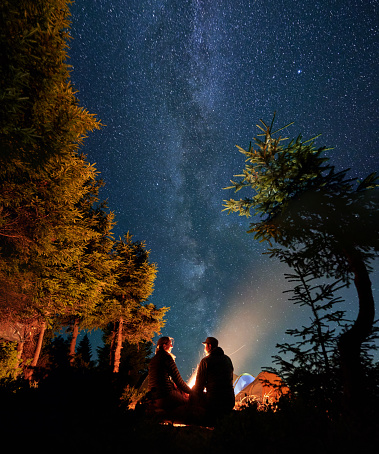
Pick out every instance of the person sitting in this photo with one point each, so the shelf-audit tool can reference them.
(213, 389)
(166, 387)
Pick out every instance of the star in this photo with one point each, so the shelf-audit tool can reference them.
(178, 85)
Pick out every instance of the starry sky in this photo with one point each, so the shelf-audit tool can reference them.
(179, 83)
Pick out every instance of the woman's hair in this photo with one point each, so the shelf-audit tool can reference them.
(162, 341)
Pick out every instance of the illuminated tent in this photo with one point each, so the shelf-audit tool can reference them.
(241, 381)
(266, 388)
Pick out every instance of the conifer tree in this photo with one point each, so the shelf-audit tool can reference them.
(85, 351)
(125, 307)
(320, 337)
(134, 358)
(94, 272)
(43, 178)
(56, 248)
(302, 202)
(56, 351)
(308, 365)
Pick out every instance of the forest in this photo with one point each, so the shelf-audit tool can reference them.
(63, 274)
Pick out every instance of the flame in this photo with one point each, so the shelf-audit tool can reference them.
(192, 380)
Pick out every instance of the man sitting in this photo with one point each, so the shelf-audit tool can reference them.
(215, 376)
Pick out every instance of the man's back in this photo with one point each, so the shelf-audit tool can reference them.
(219, 372)
(215, 373)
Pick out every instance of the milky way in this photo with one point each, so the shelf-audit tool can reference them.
(177, 85)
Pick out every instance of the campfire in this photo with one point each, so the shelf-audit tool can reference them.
(192, 380)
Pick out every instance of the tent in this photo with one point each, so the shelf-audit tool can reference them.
(266, 388)
(241, 381)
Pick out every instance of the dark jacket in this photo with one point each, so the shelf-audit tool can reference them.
(164, 375)
(215, 374)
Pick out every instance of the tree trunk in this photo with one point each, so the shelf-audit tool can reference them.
(74, 338)
(117, 352)
(29, 373)
(350, 342)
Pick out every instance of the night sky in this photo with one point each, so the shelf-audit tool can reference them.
(179, 83)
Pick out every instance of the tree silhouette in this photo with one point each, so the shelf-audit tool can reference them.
(309, 364)
(84, 351)
(302, 203)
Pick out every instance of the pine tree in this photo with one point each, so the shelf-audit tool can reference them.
(124, 307)
(56, 351)
(302, 202)
(308, 365)
(94, 271)
(319, 339)
(133, 362)
(43, 177)
(85, 351)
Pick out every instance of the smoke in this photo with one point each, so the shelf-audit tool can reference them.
(256, 320)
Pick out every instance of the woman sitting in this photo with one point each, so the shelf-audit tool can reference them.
(166, 387)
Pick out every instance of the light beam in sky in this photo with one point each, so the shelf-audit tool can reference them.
(252, 319)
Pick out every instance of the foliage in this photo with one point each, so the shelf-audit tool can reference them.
(125, 307)
(308, 365)
(135, 279)
(134, 357)
(84, 352)
(317, 215)
(39, 110)
(59, 264)
(130, 397)
(297, 197)
(56, 351)
(43, 177)
(8, 360)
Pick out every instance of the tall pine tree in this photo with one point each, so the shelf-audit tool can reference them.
(126, 307)
(43, 178)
